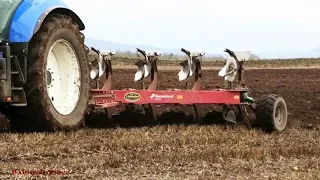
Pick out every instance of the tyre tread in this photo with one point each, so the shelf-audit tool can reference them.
(264, 112)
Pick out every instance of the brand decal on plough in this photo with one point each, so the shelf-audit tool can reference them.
(159, 97)
(132, 97)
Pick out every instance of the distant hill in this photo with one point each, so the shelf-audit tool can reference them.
(314, 53)
(110, 45)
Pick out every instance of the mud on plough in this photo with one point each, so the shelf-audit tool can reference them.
(270, 111)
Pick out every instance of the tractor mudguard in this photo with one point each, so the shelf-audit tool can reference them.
(30, 14)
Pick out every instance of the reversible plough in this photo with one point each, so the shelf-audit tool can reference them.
(270, 111)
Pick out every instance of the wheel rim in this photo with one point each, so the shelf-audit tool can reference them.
(280, 115)
(63, 77)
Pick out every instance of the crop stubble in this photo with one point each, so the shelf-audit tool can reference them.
(185, 152)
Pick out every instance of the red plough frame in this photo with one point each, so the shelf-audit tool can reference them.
(103, 98)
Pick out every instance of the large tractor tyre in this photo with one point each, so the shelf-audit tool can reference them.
(57, 86)
(272, 113)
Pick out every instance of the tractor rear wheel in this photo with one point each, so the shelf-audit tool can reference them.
(272, 113)
(57, 86)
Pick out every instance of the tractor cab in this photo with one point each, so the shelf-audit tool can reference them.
(7, 8)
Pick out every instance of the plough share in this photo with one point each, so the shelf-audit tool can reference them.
(270, 111)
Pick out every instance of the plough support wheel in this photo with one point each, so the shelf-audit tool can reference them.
(272, 113)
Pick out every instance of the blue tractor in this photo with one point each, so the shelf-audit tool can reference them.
(44, 70)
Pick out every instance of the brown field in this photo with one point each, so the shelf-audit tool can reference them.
(177, 150)
(121, 61)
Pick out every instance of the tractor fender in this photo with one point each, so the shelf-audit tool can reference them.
(29, 16)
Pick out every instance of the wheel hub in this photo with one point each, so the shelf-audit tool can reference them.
(49, 77)
(278, 115)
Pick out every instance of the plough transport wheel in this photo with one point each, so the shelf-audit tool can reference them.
(271, 113)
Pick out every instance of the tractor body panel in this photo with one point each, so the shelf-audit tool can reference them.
(29, 16)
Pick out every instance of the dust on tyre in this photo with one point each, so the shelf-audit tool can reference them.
(272, 113)
(57, 85)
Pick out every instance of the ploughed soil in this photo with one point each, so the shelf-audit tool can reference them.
(180, 148)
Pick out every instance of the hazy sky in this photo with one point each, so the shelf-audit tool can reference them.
(206, 25)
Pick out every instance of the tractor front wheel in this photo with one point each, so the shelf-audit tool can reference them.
(272, 113)
(57, 86)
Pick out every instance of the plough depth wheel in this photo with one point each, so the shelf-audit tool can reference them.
(271, 113)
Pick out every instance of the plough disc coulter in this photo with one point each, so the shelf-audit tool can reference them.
(270, 111)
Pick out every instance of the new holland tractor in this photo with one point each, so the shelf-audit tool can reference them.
(44, 71)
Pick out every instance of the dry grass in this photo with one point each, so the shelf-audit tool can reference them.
(165, 152)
